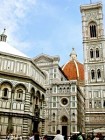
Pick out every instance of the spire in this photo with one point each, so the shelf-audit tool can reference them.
(73, 54)
(3, 37)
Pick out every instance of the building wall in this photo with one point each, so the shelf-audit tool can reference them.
(94, 62)
(22, 96)
(64, 99)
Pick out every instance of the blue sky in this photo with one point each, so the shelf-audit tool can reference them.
(52, 27)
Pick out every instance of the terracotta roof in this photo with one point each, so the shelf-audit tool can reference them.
(74, 70)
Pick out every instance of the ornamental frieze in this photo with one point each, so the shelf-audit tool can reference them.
(97, 119)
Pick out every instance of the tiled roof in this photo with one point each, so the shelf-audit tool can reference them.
(74, 70)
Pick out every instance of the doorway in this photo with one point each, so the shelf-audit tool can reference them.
(64, 132)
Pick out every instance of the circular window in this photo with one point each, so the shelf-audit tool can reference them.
(64, 101)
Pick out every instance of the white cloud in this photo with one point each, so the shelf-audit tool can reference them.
(12, 16)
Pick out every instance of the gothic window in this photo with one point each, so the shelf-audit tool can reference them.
(5, 92)
(98, 73)
(97, 52)
(93, 30)
(92, 74)
(91, 53)
(64, 119)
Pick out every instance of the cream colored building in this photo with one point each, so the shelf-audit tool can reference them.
(94, 65)
(64, 98)
(22, 92)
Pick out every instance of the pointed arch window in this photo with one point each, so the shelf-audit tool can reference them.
(92, 74)
(93, 30)
(98, 73)
(97, 52)
(91, 53)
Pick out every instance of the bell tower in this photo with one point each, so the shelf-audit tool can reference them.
(94, 64)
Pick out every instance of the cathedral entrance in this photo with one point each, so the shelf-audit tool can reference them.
(64, 132)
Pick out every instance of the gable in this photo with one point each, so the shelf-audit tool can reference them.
(43, 59)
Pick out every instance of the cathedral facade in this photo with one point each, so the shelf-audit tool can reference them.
(64, 97)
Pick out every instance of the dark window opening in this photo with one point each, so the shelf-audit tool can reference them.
(53, 116)
(97, 53)
(5, 92)
(93, 31)
(64, 119)
(92, 74)
(91, 53)
(104, 104)
(73, 114)
(98, 73)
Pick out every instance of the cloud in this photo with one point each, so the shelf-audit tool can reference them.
(12, 16)
(55, 26)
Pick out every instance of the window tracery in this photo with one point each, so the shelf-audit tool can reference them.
(93, 29)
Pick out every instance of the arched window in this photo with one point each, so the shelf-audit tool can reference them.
(98, 73)
(5, 92)
(64, 119)
(91, 53)
(19, 93)
(92, 74)
(93, 32)
(97, 52)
